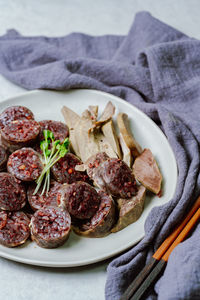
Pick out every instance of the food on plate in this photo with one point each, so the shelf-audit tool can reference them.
(100, 184)
(80, 199)
(14, 228)
(59, 129)
(64, 170)
(124, 127)
(13, 113)
(93, 109)
(112, 175)
(85, 133)
(38, 201)
(102, 221)
(107, 114)
(52, 152)
(147, 172)
(19, 133)
(109, 132)
(3, 158)
(71, 119)
(130, 209)
(25, 164)
(50, 227)
(127, 156)
(12, 193)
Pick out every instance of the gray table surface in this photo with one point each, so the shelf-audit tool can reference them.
(57, 18)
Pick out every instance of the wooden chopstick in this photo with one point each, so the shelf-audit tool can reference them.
(162, 263)
(134, 286)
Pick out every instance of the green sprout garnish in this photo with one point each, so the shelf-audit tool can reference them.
(52, 151)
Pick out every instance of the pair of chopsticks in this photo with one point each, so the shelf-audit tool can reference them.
(158, 261)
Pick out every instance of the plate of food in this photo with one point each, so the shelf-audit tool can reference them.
(80, 172)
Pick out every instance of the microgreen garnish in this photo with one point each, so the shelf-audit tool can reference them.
(52, 151)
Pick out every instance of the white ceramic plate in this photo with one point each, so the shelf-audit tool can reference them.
(79, 250)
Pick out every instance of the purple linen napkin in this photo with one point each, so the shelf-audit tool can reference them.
(156, 68)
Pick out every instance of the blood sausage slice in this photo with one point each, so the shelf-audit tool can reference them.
(38, 201)
(50, 227)
(112, 175)
(12, 193)
(147, 172)
(14, 229)
(19, 133)
(80, 199)
(130, 209)
(59, 129)
(13, 113)
(25, 164)
(102, 222)
(64, 170)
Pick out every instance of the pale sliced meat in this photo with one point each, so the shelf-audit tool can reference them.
(130, 209)
(104, 145)
(85, 140)
(146, 171)
(93, 109)
(71, 119)
(127, 157)
(109, 132)
(124, 127)
(107, 114)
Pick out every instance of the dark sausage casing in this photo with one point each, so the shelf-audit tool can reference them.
(12, 193)
(50, 227)
(3, 158)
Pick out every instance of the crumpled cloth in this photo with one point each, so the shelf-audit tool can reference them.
(156, 68)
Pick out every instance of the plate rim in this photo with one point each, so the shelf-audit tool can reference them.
(121, 249)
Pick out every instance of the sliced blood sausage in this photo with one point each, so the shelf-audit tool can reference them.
(80, 199)
(19, 133)
(3, 158)
(38, 201)
(112, 175)
(25, 164)
(94, 162)
(3, 218)
(14, 230)
(13, 113)
(59, 129)
(64, 170)
(50, 227)
(12, 193)
(118, 178)
(102, 221)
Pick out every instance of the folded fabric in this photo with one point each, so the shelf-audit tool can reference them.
(156, 68)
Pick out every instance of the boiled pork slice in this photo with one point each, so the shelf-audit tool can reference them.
(146, 171)
(130, 209)
(124, 127)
